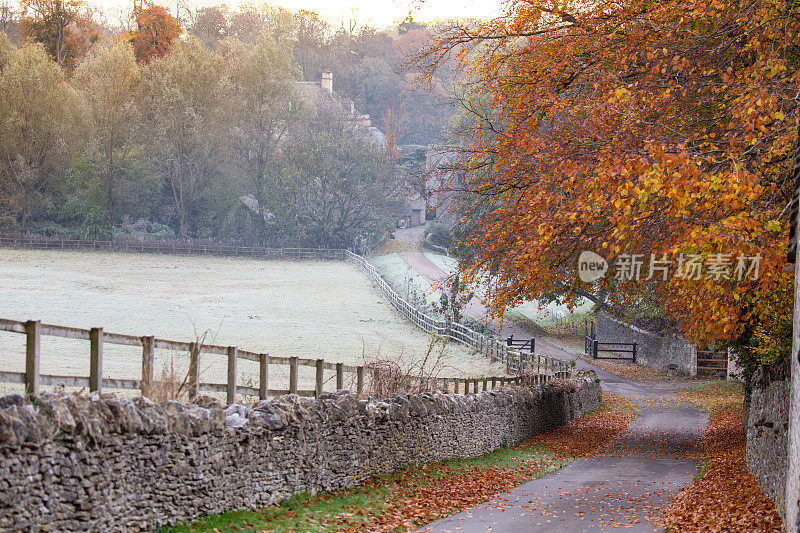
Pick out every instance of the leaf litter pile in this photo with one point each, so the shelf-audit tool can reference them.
(632, 371)
(724, 497)
(417, 495)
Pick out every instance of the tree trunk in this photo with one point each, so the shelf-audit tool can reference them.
(110, 180)
(59, 42)
(24, 225)
(792, 495)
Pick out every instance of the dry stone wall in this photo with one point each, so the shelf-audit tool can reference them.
(767, 425)
(88, 463)
(654, 351)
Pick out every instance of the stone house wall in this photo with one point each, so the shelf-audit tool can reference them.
(89, 463)
(767, 426)
(654, 351)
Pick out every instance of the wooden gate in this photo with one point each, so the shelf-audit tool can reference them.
(712, 363)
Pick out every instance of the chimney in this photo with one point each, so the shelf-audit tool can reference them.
(327, 81)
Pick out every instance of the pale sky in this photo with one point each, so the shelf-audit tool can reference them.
(375, 12)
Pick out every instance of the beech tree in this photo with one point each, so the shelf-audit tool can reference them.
(156, 31)
(629, 128)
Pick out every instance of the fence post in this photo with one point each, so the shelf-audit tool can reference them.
(33, 348)
(455, 385)
(147, 365)
(339, 376)
(485, 384)
(293, 375)
(494, 383)
(263, 377)
(359, 380)
(634, 352)
(475, 385)
(231, 392)
(594, 348)
(96, 360)
(194, 370)
(320, 375)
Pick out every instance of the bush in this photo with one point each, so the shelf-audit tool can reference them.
(389, 376)
(439, 234)
(144, 229)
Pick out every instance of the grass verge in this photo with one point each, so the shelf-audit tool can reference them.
(419, 494)
(723, 496)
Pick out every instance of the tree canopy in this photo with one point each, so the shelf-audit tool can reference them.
(630, 128)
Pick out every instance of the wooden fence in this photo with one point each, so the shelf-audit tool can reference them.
(169, 247)
(712, 363)
(32, 378)
(497, 350)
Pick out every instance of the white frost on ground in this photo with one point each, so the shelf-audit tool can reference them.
(308, 309)
(404, 279)
(447, 264)
(542, 315)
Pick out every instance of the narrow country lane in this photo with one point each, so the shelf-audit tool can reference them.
(623, 486)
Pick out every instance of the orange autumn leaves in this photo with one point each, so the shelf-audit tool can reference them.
(435, 490)
(726, 497)
(156, 32)
(627, 128)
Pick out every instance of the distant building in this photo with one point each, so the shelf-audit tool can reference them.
(435, 199)
(321, 94)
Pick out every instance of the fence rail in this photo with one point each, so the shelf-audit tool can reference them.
(516, 363)
(33, 379)
(169, 247)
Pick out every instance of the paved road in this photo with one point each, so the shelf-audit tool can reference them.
(620, 487)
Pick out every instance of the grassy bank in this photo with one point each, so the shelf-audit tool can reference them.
(418, 495)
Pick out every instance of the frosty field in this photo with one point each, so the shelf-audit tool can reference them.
(308, 309)
(397, 272)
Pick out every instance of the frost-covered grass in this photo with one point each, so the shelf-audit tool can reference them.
(404, 279)
(448, 265)
(546, 316)
(307, 309)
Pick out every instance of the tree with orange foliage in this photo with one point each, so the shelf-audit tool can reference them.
(65, 28)
(156, 31)
(631, 128)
